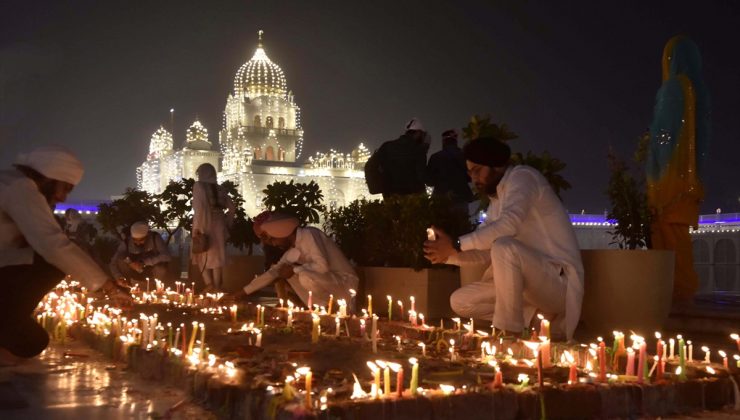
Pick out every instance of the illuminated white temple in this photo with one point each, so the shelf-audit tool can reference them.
(261, 142)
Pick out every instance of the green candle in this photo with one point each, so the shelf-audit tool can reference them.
(192, 338)
(682, 358)
(414, 375)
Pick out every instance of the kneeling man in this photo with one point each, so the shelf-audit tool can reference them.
(529, 242)
(312, 262)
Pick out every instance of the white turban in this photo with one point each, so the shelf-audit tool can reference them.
(280, 225)
(414, 124)
(139, 230)
(54, 162)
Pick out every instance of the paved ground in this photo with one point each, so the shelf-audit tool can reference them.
(74, 382)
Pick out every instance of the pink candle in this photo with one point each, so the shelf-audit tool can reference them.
(545, 328)
(630, 362)
(310, 301)
(661, 363)
(498, 380)
(545, 349)
(602, 361)
(736, 337)
(642, 359)
(399, 382)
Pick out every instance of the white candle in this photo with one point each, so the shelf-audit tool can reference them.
(452, 350)
(315, 330)
(707, 353)
(423, 349)
(691, 351)
(672, 344)
(362, 328)
(259, 338)
(374, 332)
(336, 322)
(413, 303)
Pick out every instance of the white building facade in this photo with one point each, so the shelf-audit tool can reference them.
(261, 142)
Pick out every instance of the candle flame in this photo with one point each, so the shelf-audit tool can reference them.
(394, 366)
(447, 389)
(357, 391)
(678, 370)
(381, 364)
(711, 370)
(734, 336)
(569, 357)
(413, 360)
(373, 367)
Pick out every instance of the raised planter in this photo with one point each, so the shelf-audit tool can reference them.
(626, 290)
(431, 288)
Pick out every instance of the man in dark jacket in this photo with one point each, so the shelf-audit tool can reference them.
(401, 163)
(446, 171)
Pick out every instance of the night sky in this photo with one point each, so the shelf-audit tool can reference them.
(572, 78)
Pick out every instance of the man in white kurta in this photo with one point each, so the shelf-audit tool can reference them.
(528, 239)
(312, 263)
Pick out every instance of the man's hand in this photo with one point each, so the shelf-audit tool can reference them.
(136, 266)
(286, 271)
(437, 252)
(117, 295)
(231, 298)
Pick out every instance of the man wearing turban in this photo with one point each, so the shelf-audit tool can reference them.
(312, 262)
(35, 254)
(143, 254)
(528, 240)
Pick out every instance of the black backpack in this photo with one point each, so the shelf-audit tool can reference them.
(374, 174)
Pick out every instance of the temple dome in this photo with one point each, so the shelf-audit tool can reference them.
(260, 76)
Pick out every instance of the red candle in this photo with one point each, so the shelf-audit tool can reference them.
(736, 337)
(545, 349)
(602, 361)
(399, 383)
(498, 380)
(661, 362)
(573, 374)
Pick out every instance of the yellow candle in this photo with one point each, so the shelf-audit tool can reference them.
(376, 379)
(329, 305)
(414, 375)
(315, 329)
(369, 305)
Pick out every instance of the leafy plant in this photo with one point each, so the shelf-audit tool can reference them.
(391, 233)
(626, 191)
(133, 206)
(302, 200)
(550, 167)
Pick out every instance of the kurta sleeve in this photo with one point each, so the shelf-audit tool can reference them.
(118, 256)
(522, 190)
(31, 213)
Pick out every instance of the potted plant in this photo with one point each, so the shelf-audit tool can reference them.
(384, 239)
(629, 287)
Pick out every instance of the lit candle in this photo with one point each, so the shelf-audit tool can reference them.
(177, 336)
(498, 378)
(573, 371)
(169, 335)
(281, 303)
(352, 296)
(259, 338)
(642, 363)
(310, 301)
(545, 349)
(184, 340)
(413, 303)
(376, 379)
(336, 323)
(400, 306)
(691, 351)
(412, 318)
(330, 304)
(398, 369)
(233, 314)
(390, 307)
(362, 329)
(737, 360)
(370, 305)
(736, 337)
(423, 349)
(452, 350)
(544, 326)
(707, 354)
(618, 349)
(602, 360)
(290, 318)
(414, 384)
(374, 333)
(399, 347)
(192, 338)
(630, 362)
(723, 355)
(342, 307)
(306, 371)
(315, 329)
(421, 318)
(671, 343)
(386, 377)
(202, 337)
(681, 359)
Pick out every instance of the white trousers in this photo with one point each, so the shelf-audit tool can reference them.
(524, 281)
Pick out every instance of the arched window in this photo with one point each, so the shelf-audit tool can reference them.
(725, 265)
(257, 153)
(257, 121)
(268, 122)
(701, 251)
(269, 152)
(281, 123)
(281, 154)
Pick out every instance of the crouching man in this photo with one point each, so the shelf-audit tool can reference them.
(528, 241)
(143, 254)
(312, 263)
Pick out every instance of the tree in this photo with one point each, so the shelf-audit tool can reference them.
(302, 200)
(134, 206)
